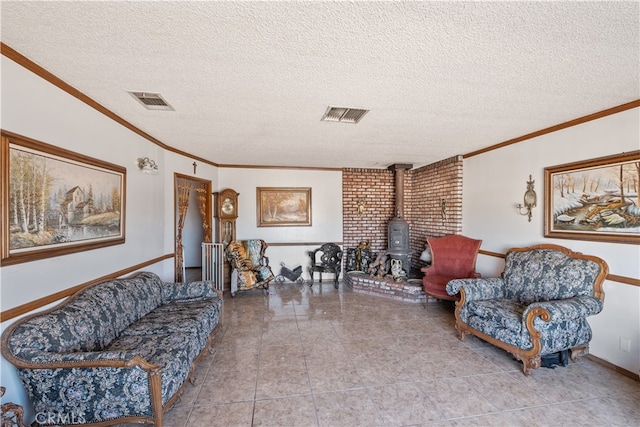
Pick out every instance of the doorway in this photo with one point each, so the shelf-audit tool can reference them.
(192, 196)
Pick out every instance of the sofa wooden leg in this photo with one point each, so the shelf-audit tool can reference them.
(578, 352)
(462, 334)
(156, 396)
(11, 413)
(530, 363)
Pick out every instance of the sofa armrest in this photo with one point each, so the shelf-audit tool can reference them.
(568, 309)
(39, 359)
(93, 389)
(85, 358)
(477, 289)
(198, 290)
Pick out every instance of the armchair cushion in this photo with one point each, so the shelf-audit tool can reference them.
(546, 275)
(503, 312)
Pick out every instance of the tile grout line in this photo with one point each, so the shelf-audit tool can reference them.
(255, 388)
(313, 399)
(364, 387)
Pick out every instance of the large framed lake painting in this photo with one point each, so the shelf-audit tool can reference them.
(283, 206)
(56, 202)
(594, 199)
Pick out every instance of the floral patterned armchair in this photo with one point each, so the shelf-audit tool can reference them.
(250, 267)
(538, 307)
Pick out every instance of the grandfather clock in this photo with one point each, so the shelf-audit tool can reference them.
(226, 212)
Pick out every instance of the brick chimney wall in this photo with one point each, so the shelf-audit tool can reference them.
(430, 185)
(376, 187)
(424, 190)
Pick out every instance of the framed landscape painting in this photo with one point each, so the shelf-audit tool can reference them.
(56, 202)
(283, 207)
(594, 199)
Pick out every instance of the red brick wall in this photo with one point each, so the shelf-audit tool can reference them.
(430, 185)
(424, 190)
(377, 188)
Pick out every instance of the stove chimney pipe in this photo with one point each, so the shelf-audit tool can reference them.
(399, 169)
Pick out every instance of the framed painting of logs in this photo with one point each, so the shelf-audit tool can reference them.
(56, 202)
(594, 199)
(283, 206)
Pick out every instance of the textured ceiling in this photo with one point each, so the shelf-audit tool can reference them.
(249, 81)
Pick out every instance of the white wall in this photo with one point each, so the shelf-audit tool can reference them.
(36, 109)
(326, 210)
(495, 181)
(39, 110)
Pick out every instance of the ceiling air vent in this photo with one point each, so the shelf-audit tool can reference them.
(151, 101)
(346, 115)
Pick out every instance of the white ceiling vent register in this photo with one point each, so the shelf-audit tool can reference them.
(151, 101)
(346, 115)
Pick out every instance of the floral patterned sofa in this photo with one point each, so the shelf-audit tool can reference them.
(117, 351)
(538, 307)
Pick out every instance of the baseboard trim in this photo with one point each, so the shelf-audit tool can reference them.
(616, 368)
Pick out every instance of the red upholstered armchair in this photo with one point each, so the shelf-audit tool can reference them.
(452, 257)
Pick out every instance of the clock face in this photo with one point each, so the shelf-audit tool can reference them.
(227, 206)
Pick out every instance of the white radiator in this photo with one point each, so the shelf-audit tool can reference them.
(213, 264)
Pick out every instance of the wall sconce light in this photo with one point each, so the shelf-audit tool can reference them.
(147, 165)
(360, 206)
(530, 200)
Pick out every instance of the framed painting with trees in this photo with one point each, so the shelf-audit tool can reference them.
(594, 199)
(56, 202)
(283, 207)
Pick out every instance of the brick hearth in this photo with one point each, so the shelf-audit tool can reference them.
(406, 290)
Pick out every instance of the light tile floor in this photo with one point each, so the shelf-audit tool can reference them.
(316, 356)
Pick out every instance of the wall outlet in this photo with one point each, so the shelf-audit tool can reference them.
(625, 344)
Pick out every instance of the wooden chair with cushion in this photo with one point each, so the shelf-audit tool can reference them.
(452, 257)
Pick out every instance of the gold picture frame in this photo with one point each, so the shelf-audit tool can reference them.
(56, 202)
(283, 206)
(594, 199)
